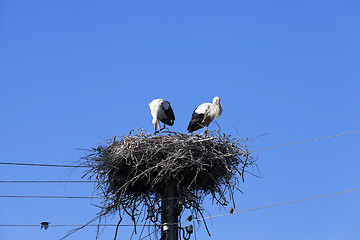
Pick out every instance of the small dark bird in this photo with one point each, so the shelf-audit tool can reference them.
(189, 218)
(45, 225)
(231, 211)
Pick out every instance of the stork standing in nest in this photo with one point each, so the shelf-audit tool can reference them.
(161, 111)
(204, 114)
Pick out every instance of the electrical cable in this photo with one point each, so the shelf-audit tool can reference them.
(278, 204)
(256, 150)
(60, 197)
(310, 140)
(40, 165)
(75, 225)
(220, 215)
(45, 181)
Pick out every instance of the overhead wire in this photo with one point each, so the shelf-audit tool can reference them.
(305, 141)
(45, 181)
(60, 197)
(256, 150)
(204, 218)
(86, 197)
(40, 165)
(75, 225)
(278, 204)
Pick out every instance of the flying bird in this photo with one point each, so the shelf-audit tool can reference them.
(204, 114)
(189, 218)
(161, 111)
(45, 225)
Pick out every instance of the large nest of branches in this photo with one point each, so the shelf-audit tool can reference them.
(136, 169)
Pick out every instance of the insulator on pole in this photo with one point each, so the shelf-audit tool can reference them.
(150, 213)
(189, 229)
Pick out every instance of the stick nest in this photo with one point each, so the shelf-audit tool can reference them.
(135, 169)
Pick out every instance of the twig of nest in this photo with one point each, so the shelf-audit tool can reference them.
(134, 170)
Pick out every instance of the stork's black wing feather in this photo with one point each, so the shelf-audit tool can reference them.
(170, 116)
(195, 122)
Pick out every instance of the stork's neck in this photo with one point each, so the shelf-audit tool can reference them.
(215, 110)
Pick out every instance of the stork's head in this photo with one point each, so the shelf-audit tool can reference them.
(216, 100)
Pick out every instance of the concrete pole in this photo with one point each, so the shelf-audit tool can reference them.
(171, 211)
(163, 218)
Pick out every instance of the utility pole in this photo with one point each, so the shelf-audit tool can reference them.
(169, 213)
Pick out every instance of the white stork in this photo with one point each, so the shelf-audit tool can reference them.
(204, 114)
(161, 111)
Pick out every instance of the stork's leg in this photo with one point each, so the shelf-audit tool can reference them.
(159, 126)
(155, 128)
(207, 127)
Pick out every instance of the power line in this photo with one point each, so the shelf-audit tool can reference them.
(40, 165)
(45, 181)
(60, 197)
(310, 140)
(278, 204)
(256, 150)
(220, 215)
(76, 225)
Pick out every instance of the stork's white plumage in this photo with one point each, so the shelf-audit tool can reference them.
(161, 111)
(204, 114)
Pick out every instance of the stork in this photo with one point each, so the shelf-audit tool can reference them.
(204, 114)
(161, 111)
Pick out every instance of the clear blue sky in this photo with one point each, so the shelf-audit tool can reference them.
(75, 72)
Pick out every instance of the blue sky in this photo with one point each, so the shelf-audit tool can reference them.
(75, 72)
